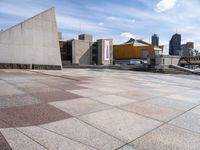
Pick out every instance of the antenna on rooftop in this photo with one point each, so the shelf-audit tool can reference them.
(176, 21)
(80, 28)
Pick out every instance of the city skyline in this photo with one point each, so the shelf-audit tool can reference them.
(113, 19)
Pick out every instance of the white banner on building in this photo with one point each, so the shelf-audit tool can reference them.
(107, 50)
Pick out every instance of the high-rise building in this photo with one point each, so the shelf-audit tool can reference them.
(155, 40)
(187, 50)
(175, 45)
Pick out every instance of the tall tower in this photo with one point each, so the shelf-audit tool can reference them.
(175, 45)
(155, 40)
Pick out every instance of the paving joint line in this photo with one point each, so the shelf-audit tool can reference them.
(148, 101)
(100, 130)
(6, 141)
(31, 138)
(40, 126)
(16, 128)
(118, 107)
(184, 128)
(174, 117)
(164, 124)
(38, 72)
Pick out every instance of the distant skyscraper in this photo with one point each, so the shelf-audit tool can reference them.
(155, 40)
(175, 45)
(188, 49)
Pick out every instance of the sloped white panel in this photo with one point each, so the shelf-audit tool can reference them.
(34, 41)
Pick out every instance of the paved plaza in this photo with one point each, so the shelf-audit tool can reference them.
(88, 109)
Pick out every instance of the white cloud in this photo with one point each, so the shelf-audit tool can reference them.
(165, 5)
(126, 36)
(133, 21)
(101, 24)
(112, 18)
(71, 23)
(111, 24)
(26, 12)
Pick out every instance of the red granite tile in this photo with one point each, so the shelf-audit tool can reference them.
(9, 121)
(38, 89)
(33, 115)
(60, 82)
(55, 96)
(3, 143)
(3, 124)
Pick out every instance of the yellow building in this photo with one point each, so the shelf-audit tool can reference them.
(136, 49)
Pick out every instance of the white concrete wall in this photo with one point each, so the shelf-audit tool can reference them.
(81, 52)
(34, 41)
(167, 60)
(101, 53)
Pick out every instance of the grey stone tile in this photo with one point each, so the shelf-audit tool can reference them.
(193, 93)
(181, 93)
(51, 140)
(79, 106)
(82, 132)
(113, 100)
(137, 95)
(10, 90)
(17, 100)
(196, 110)
(127, 147)
(121, 124)
(185, 98)
(88, 92)
(30, 84)
(168, 138)
(172, 103)
(19, 141)
(109, 89)
(189, 120)
(3, 143)
(152, 111)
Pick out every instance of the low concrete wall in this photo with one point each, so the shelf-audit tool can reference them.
(14, 66)
(167, 60)
(29, 66)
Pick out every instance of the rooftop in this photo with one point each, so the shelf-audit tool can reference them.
(138, 42)
(88, 109)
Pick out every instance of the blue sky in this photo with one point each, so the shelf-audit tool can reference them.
(117, 19)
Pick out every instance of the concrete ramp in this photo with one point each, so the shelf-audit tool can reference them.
(32, 44)
(184, 69)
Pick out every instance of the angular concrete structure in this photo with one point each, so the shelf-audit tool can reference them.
(86, 52)
(105, 52)
(31, 44)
